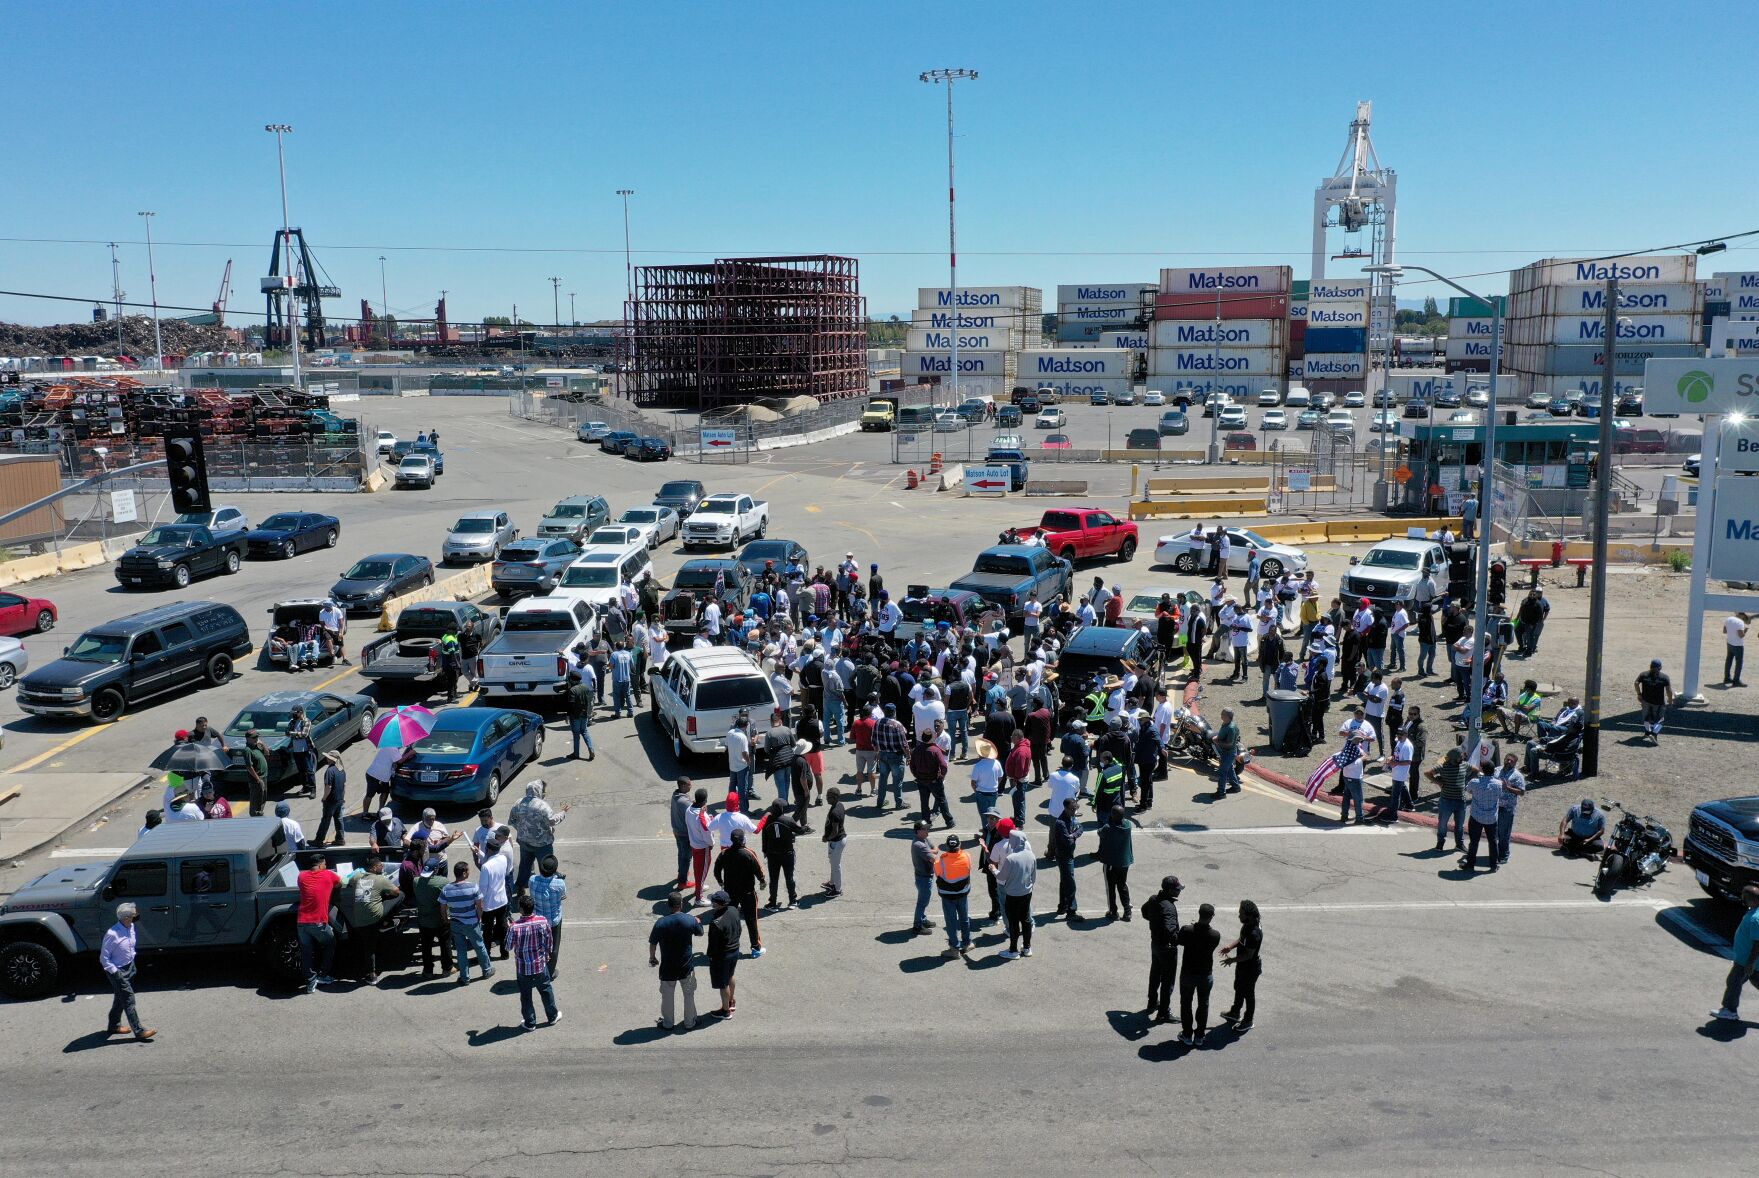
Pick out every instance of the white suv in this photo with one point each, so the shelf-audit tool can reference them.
(697, 694)
(1389, 571)
(597, 575)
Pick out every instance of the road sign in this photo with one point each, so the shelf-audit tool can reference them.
(1716, 385)
(1300, 480)
(906, 440)
(987, 480)
(1403, 474)
(122, 507)
(1734, 534)
(720, 440)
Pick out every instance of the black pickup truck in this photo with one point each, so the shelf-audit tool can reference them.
(681, 608)
(176, 554)
(1722, 846)
(409, 654)
(1008, 574)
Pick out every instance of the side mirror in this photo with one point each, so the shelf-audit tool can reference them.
(109, 892)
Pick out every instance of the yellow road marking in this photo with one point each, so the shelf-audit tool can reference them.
(60, 748)
(843, 523)
(774, 481)
(814, 508)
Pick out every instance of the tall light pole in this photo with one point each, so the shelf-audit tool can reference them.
(1602, 513)
(949, 77)
(116, 293)
(556, 304)
(628, 266)
(278, 130)
(573, 319)
(153, 284)
(1486, 512)
(384, 301)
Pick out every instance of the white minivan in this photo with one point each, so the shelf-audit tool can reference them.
(698, 693)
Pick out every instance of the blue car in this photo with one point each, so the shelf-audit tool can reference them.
(469, 756)
(288, 533)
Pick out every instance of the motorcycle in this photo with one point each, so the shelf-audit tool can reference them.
(1637, 852)
(1192, 736)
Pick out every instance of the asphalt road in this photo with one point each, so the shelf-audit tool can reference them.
(1409, 1018)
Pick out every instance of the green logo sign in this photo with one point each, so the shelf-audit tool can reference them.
(1696, 386)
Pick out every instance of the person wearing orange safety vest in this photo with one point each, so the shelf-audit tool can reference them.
(952, 879)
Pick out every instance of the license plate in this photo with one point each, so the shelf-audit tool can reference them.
(522, 687)
(430, 775)
(135, 580)
(1703, 878)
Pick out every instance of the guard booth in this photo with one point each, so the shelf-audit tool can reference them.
(1444, 458)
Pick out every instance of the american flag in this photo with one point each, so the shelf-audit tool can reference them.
(1351, 751)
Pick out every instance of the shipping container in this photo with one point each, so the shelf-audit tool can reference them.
(1588, 359)
(1715, 290)
(1587, 329)
(1676, 298)
(941, 364)
(1297, 331)
(1588, 386)
(1354, 290)
(1230, 333)
(1739, 280)
(1109, 313)
(1464, 308)
(1474, 328)
(1565, 271)
(1061, 362)
(928, 339)
(1126, 294)
(1469, 349)
(1733, 337)
(1332, 366)
(1080, 333)
(1221, 305)
(1743, 302)
(1239, 388)
(1336, 339)
(1424, 386)
(1231, 361)
(969, 321)
(1337, 314)
(977, 298)
(1080, 388)
(1467, 364)
(1299, 288)
(1136, 341)
(1298, 309)
(1227, 279)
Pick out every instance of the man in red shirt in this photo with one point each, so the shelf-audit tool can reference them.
(866, 756)
(928, 764)
(317, 942)
(1017, 768)
(1114, 607)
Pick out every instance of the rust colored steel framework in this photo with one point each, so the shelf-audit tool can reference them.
(738, 330)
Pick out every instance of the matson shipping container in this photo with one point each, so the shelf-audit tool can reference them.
(1256, 362)
(1732, 281)
(1664, 268)
(941, 364)
(1070, 388)
(1588, 386)
(1125, 294)
(1681, 298)
(1590, 359)
(1336, 339)
(1099, 313)
(1332, 366)
(1734, 337)
(1587, 329)
(1298, 309)
(1041, 363)
(1239, 388)
(1221, 305)
(969, 298)
(928, 339)
(1081, 333)
(1339, 289)
(1470, 349)
(1235, 279)
(1474, 328)
(1232, 333)
(964, 320)
(1743, 302)
(1336, 314)
(1424, 386)
(1135, 341)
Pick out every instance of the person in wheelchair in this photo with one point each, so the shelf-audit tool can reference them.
(1561, 744)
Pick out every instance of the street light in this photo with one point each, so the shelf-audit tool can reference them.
(628, 266)
(949, 77)
(153, 283)
(384, 301)
(1481, 581)
(278, 130)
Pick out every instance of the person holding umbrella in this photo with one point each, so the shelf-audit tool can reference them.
(394, 735)
(187, 766)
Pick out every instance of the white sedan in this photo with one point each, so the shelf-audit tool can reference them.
(1154, 397)
(1386, 421)
(1191, 559)
(659, 524)
(1052, 418)
(15, 660)
(387, 441)
(946, 423)
(1353, 399)
(1270, 397)
(1274, 419)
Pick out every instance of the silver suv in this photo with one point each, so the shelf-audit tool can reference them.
(478, 536)
(574, 517)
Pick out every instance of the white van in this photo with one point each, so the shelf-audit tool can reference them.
(598, 573)
(697, 693)
(1298, 397)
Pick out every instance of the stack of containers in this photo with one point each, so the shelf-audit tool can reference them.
(992, 324)
(1077, 372)
(1554, 339)
(1086, 311)
(1220, 329)
(1336, 341)
(1716, 303)
(1297, 326)
(1470, 334)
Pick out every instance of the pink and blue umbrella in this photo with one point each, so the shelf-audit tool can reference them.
(401, 727)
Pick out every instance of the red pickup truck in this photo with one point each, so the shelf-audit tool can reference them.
(1081, 533)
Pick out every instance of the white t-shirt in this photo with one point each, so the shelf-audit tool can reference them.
(711, 619)
(1063, 786)
(491, 878)
(1401, 622)
(1033, 610)
(738, 749)
(927, 712)
(1359, 732)
(723, 825)
(986, 775)
(1374, 698)
(1734, 631)
(1403, 750)
(1163, 720)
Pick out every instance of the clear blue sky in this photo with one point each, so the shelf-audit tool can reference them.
(469, 142)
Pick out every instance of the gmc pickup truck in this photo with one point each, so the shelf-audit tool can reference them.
(410, 653)
(1009, 573)
(532, 654)
(1082, 533)
(726, 521)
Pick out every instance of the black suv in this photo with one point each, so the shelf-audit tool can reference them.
(121, 663)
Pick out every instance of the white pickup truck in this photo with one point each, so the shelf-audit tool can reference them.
(726, 521)
(530, 656)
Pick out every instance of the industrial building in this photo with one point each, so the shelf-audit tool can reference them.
(738, 330)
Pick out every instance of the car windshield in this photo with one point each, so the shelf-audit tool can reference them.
(168, 537)
(520, 552)
(368, 570)
(590, 576)
(98, 648)
(262, 721)
(474, 526)
(696, 578)
(765, 550)
(569, 511)
(1391, 558)
(281, 523)
(539, 620)
(641, 515)
(445, 742)
(715, 695)
(1143, 603)
(678, 488)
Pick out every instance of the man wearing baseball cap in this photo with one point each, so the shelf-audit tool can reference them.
(1655, 693)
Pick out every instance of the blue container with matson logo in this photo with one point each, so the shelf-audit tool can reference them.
(1337, 339)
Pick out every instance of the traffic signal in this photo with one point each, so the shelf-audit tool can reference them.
(186, 468)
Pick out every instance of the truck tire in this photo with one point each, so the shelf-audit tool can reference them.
(28, 969)
(180, 576)
(108, 706)
(1068, 554)
(1127, 552)
(763, 525)
(233, 562)
(218, 670)
(277, 953)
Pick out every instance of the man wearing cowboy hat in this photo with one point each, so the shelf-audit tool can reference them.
(332, 798)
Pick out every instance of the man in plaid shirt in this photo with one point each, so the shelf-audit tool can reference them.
(529, 942)
(891, 742)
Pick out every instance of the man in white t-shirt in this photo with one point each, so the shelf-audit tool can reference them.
(928, 710)
(1356, 729)
(1064, 784)
(711, 620)
(1374, 700)
(1397, 630)
(1734, 633)
(986, 778)
(1404, 753)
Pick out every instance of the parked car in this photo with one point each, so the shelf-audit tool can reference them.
(218, 521)
(469, 756)
(1340, 420)
(696, 695)
(286, 620)
(478, 536)
(1463, 417)
(1538, 400)
(288, 533)
(591, 431)
(1052, 418)
(403, 450)
(1174, 422)
(416, 471)
(616, 536)
(1232, 417)
(1009, 417)
(387, 441)
(1056, 442)
(1099, 397)
(531, 655)
(1239, 440)
(1126, 396)
(15, 660)
(1308, 419)
(26, 615)
(616, 441)
(176, 554)
(1722, 846)
(924, 607)
(1323, 401)
(1384, 422)
(598, 577)
(778, 554)
(1629, 404)
(1390, 571)
(1448, 397)
(1096, 654)
(336, 720)
(648, 450)
(111, 667)
(1690, 466)
(531, 566)
(973, 409)
(1270, 396)
(681, 495)
(1353, 399)
(726, 520)
(1478, 396)
(948, 421)
(1154, 397)
(1142, 439)
(574, 517)
(408, 655)
(1274, 419)
(1014, 458)
(658, 524)
(1006, 575)
(1385, 399)
(1298, 398)
(694, 584)
(1178, 552)
(372, 580)
(1083, 533)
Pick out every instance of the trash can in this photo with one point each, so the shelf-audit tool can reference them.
(1284, 707)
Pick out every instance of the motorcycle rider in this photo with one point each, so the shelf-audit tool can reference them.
(1583, 829)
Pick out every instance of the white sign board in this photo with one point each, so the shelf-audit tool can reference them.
(1734, 530)
(122, 507)
(719, 441)
(1300, 480)
(555, 382)
(987, 480)
(1714, 385)
(1739, 449)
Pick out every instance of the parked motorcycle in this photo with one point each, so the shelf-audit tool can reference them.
(1637, 852)
(1192, 736)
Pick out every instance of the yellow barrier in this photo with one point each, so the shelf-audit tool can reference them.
(1188, 508)
(1644, 552)
(1340, 531)
(69, 559)
(468, 585)
(1303, 533)
(1186, 484)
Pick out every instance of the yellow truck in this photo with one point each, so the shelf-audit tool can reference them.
(880, 415)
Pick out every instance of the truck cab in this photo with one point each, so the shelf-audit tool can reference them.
(880, 415)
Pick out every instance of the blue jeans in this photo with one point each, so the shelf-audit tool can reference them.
(1426, 658)
(1351, 789)
(956, 912)
(836, 713)
(959, 729)
(1019, 803)
(924, 889)
(539, 982)
(891, 768)
(1376, 659)
(305, 654)
(986, 804)
(782, 777)
(530, 855)
(683, 841)
(317, 946)
(620, 700)
(1505, 829)
(581, 727)
(1399, 653)
(1446, 808)
(466, 937)
(1226, 773)
(739, 782)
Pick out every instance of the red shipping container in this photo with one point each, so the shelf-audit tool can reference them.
(1223, 306)
(1297, 330)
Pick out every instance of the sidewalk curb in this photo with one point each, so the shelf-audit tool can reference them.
(15, 853)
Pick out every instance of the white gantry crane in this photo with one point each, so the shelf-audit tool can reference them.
(1364, 195)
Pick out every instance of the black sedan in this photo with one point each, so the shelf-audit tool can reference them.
(778, 554)
(336, 720)
(617, 441)
(288, 533)
(648, 450)
(371, 580)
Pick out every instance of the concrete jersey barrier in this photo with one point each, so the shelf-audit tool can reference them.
(468, 585)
